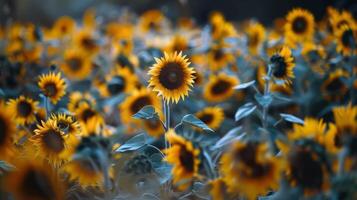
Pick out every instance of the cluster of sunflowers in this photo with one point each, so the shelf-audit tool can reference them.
(150, 108)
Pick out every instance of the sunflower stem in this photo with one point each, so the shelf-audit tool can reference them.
(47, 107)
(167, 119)
(341, 160)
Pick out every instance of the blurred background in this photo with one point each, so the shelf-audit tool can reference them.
(44, 12)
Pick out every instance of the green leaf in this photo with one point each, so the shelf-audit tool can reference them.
(244, 85)
(133, 143)
(263, 100)
(194, 121)
(291, 118)
(244, 111)
(5, 167)
(147, 112)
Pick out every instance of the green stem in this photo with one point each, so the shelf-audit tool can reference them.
(47, 107)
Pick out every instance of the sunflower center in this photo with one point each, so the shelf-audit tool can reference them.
(299, 25)
(305, 170)
(338, 140)
(253, 40)
(37, 185)
(53, 141)
(63, 125)
(87, 114)
(88, 43)
(75, 64)
(347, 38)
(335, 85)
(50, 89)
(218, 54)
(139, 103)
(221, 87)
(186, 159)
(258, 170)
(3, 129)
(116, 85)
(206, 118)
(341, 23)
(153, 123)
(172, 76)
(24, 108)
(279, 66)
(246, 155)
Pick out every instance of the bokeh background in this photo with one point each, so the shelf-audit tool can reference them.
(44, 12)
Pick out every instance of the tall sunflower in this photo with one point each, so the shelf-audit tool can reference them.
(346, 40)
(171, 76)
(300, 25)
(219, 87)
(23, 110)
(212, 116)
(283, 64)
(248, 169)
(76, 65)
(52, 86)
(7, 130)
(33, 180)
(184, 158)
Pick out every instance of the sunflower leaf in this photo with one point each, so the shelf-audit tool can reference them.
(228, 137)
(5, 167)
(263, 100)
(244, 85)
(147, 112)
(244, 111)
(291, 118)
(133, 143)
(194, 121)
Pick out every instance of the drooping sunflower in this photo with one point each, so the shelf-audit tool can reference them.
(171, 76)
(23, 110)
(185, 159)
(248, 169)
(136, 101)
(64, 26)
(256, 36)
(219, 87)
(218, 58)
(346, 39)
(7, 130)
(33, 180)
(76, 65)
(52, 86)
(77, 98)
(300, 25)
(212, 116)
(51, 143)
(86, 41)
(334, 87)
(282, 63)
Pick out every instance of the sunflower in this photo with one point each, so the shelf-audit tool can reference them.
(219, 87)
(212, 116)
(338, 20)
(76, 65)
(315, 55)
(218, 189)
(33, 180)
(151, 20)
(153, 127)
(255, 36)
(86, 41)
(52, 86)
(300, 25)
(7, 130)
(218, 58)
(184, 158)
(282, 63)
(274, 87)
(346, 40)
(171, 76)
(64, 26)
(334, 87)
(77, 98)
(67, 124)
(85, 112)
(51, 142)
(248, 169)
(23, 110)
(136, 101)
(178, 43)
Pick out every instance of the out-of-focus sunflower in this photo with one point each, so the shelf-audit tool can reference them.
(256, 36)
(184, 158)
(218, 58)
(219, 87)
(315, 55)
(153, 127)
(85, 112)
(95, 127)
(282, 89)
(7, 131)
(334, 87)
(300, 25)
(151, 20)
(283, 64)
(23, 110)
(89, 19)
(51, 143)
(338, 20)
(346, 40)
(76, 65)
(212, 116)
(64, 26)
(136, 101)
(86, 41)
(171, 77)
(67, 124)
(52, 86)
(77, 98)
(178, 43)
(248, 169)
(218, 189)
(33, 180)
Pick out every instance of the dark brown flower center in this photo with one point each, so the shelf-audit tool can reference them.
(172, 76)
(253, 40)
(36, 185)
(247, 154)
(116, 85)
(335, 85)
(347, 38)
(279, 66)
(3, 130)
(24, 108)
(88, 43)
(53, 141)
(299, 25)
(75, 64)
(139, 103)
(207, 118)
(186, 159)
(221, 87)
(87, 114)
(50, 89)
(218, 54)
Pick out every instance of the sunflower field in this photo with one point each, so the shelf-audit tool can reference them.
(145, 107)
